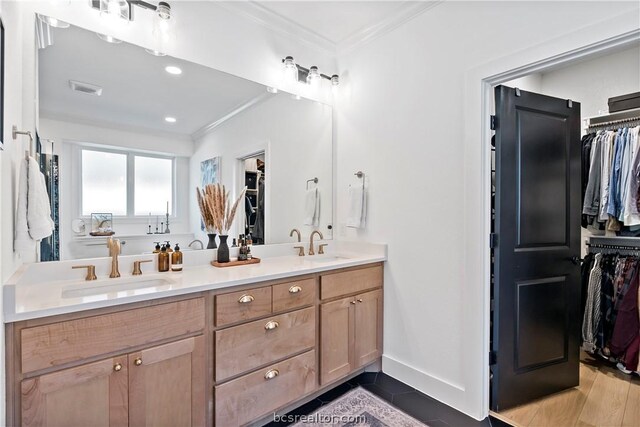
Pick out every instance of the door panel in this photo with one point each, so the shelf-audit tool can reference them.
(336, 339)
(167, 385)
(94, 394)
(368, 328)
(536, 287)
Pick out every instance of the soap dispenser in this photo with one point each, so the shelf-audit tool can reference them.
(168, 246)
(157, 249)
(163, 260)
(176, 259)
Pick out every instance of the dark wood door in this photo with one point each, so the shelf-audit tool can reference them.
(536, 325)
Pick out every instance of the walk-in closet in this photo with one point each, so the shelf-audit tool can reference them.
(565, 290)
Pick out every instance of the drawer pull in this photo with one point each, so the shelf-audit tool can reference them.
(272, 324)
(359, 299)
(137, 361)
(117, 367)
(271, 374)
(353, 302)
(246, 299)
(295, 289)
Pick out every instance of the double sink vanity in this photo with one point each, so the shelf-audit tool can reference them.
(205, 346)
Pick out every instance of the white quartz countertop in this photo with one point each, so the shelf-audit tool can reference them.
(27, 298)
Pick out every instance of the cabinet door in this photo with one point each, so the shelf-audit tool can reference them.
(167, 385)
(368, 328)
(336, 339)
(94, 395)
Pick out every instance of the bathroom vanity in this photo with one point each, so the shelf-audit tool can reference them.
(221, 347)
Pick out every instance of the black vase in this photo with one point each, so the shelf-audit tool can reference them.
(223, 249)
(212, 241)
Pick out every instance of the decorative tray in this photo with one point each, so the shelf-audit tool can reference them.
(234, 263)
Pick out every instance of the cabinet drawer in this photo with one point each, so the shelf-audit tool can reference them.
(243, 305)
(243, 348)
(350, 282)
(291, 295)
(252, 396)
(73, 340)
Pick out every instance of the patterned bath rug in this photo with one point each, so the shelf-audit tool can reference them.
(358, 408)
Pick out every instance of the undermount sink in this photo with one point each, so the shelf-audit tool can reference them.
(323, 259)
(105, 287)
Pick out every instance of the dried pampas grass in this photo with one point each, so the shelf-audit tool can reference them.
(216, 212)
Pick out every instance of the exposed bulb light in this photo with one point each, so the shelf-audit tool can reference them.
(172, 69)
(314, 75)
(272, 89)
(163, 26)
(155, 52)
(109, 39)
(170, 119)
(53, 22)
(335, 80)
(288, 63)
(164, 10)
(115, 9)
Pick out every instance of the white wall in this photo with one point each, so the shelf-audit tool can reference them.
(69, 136)
(409, 115)
(297, 138)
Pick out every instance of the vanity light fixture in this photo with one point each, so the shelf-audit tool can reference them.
(169, 119)
(115, 9)
(155, 52)
(272, 89)
(109, 39)
(53, 22)
(172, 69)
(307, 75)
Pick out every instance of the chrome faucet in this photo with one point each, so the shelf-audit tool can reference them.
(197, 241)
(295, 230)
(311, 251)
(114, 251)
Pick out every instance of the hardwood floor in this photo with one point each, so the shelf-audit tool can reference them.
(605, 398)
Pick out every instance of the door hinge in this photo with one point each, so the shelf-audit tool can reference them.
(569, 103)
(493, 122)
(493, 357)
(493, 240)
(518, 92)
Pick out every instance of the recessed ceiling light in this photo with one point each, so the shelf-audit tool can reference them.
(109, 39)
(170, 119)
(172, 69)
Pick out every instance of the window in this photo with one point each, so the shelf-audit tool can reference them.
(126, 184)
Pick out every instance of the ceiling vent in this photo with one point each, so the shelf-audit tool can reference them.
(87, 88)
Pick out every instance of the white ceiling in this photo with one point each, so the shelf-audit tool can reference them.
(335, 20)
(137, 91)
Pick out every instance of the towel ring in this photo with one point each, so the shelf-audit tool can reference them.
(314, 180)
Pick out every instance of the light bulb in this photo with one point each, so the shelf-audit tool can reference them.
(335, 80)
(163, 26)
(314, 75)
(115, 8)
(290, 69)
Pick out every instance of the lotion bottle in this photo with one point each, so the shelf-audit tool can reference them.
(176, 259)
(163, 260)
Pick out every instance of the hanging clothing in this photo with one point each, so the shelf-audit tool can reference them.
(591, 318)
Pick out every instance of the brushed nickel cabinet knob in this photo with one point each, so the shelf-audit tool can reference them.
(117, 367)
(137, 361)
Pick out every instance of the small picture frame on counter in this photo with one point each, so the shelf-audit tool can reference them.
(102, 224)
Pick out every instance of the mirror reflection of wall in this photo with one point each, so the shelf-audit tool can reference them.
(132, 130)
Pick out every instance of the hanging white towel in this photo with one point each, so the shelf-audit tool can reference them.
(33, 214)
(23, 242)
(312, 207)
(357, 207)
(38, 204)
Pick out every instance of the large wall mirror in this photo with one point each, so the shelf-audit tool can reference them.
(126, 136)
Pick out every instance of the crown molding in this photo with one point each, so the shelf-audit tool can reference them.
(279, 24)
(261, 14)
(408, 11)
(204, 130)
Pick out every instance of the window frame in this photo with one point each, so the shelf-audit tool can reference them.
(130, 159)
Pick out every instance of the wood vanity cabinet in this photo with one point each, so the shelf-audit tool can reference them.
(350, 327)
(225, 357)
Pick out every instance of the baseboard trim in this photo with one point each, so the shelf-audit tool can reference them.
(437, 388)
